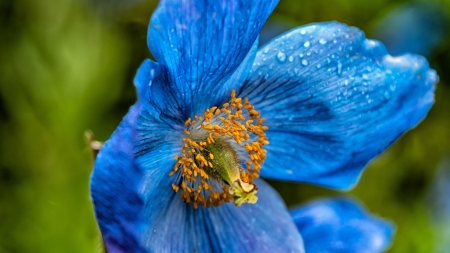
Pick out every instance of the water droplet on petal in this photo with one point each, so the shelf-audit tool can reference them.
(339, 68)
(305, 62)
(303, 31)
(307, 44)
(291, 58)
(323, 41)
(281, 56)
(266, 50)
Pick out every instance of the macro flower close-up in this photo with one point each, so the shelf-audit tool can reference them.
(216, 112)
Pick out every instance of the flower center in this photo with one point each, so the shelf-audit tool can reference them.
(221, 156)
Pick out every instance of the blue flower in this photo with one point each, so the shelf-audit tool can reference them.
(181, 172)
(342, 225)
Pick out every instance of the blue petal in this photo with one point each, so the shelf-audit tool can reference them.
(176, 227)
(201, 43)
(157, 143)
(341, 225)
(114, 189)
(238, 78)
(333, 101)
(157, 96)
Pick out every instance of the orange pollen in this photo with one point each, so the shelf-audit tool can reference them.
(237, 123)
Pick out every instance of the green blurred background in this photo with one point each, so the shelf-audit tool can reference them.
(67, 67)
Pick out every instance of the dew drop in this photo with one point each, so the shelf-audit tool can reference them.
(305, 62)
(318, 66)
(307, 44)
(281, 56)
(291, 58)
(323, 41)
(339, 68)
(303, 31)
(266, 50)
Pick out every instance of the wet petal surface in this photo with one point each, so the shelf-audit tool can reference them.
(201, 43)
(333, 101)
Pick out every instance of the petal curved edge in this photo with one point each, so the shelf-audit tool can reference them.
(201, 43)
(341, 225)
(333, 100)
(177, 227)
(115, 184)
(144, 77)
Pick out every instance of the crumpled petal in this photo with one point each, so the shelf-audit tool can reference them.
(158, 99)
(201, 43)
(334, 100)
(114, 189)
(341, 225)
(174, 226)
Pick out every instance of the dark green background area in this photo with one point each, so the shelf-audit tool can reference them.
(67, 67)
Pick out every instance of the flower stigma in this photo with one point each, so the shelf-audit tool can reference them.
(221, 156)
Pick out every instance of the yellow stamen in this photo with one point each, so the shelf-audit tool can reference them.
(200, 177)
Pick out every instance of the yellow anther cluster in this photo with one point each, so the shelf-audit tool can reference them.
(236, 126)
(234, 121)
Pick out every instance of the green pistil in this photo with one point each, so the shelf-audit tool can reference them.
(226, 168)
